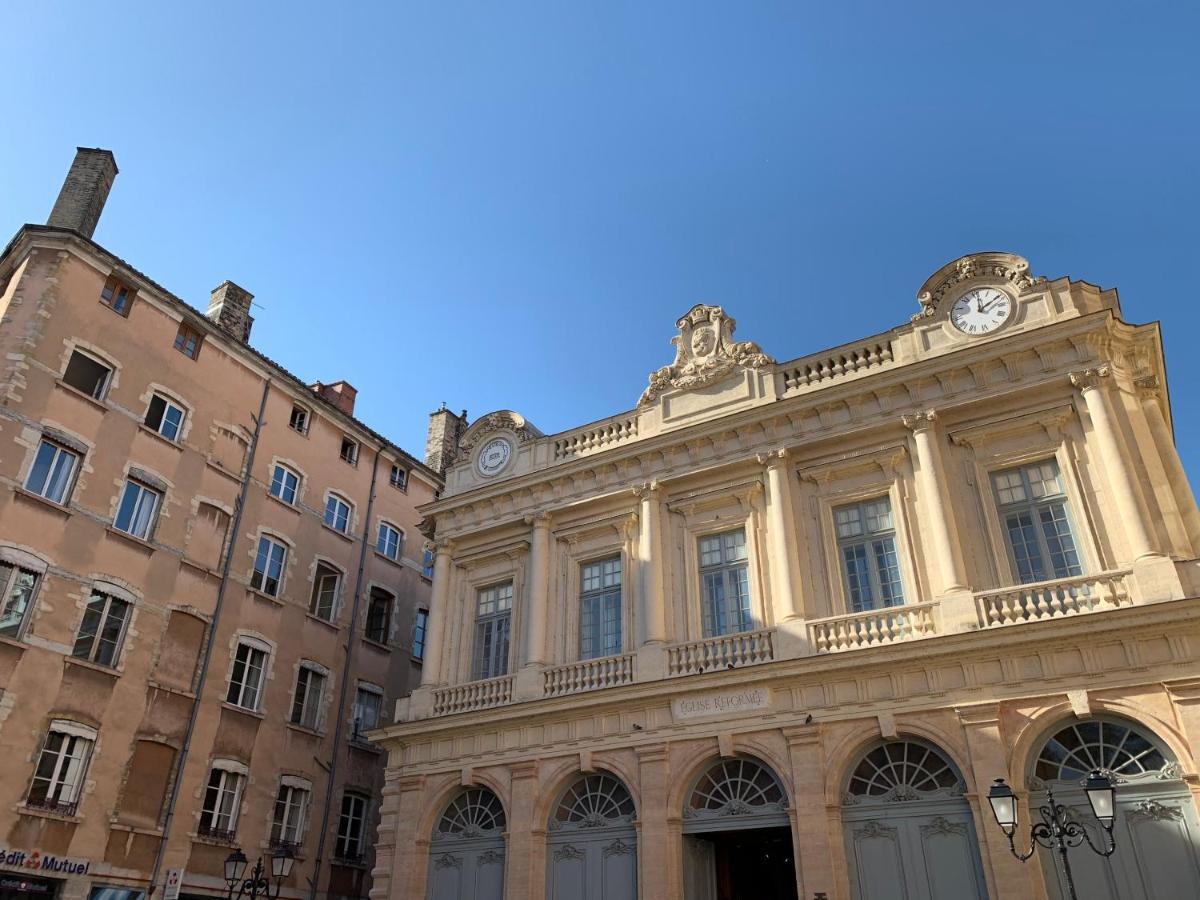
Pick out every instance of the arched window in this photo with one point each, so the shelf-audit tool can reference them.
(466, 858)
(1122, 750)
(594, 801)
(736, 793)
(475, 812)
(903, 770)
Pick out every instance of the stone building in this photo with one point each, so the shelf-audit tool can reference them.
(212, 584)
(774, 631)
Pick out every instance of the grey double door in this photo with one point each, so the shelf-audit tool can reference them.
(592, 865)
(470, 870)
(916, 850)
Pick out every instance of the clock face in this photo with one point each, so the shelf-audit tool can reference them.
(494, 456)
(981, 311)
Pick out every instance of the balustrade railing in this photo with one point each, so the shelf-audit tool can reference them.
(472, 695)
(595, 437)
(836, 364)
(744, 648)
(1052, 599)
(873, 628)
(588, 675)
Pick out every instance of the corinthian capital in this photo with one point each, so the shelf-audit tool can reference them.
(919, 420)
(539, 519)
(772, 457)
(1149, 387)
(646, 490)
(1088, 379)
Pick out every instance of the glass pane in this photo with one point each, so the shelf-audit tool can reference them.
(110, 632)
(887, 571)
(1009, 486)
(125, 512)
(849, 521)
(858, 581)
(1064, 560)
(172, 422)
(1043, 479)
(878, 515)
(60, 476)
(85, 640)
(16, 600)
(1022, 538)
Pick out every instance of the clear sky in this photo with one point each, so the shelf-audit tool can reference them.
(507, 205)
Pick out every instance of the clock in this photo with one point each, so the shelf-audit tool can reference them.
(981, 311)
(493, 457)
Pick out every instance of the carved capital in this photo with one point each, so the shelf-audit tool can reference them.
(540, 519)
(772, 457)
(443, 545)
(649, 490)
(1090, 379)
(920, 420)
(1149, 387)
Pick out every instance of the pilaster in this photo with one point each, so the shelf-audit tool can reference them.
(810, 831)
(432, 669)
(660, 848)
(782, 544)
(525, 859)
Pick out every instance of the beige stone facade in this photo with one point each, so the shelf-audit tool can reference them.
(753, 624)
(130, 512)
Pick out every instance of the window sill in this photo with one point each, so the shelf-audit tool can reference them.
(166, 688)
(349, 863)
(359, 743)
(146, 429)
(235, 477)
(76, 392)
(199, 567)
(398, 562)
(289, 506)
(135, 829)
(249, 713)
(25, 810)
(305, 730)
(331, 625)
(345, 537)
(39, 500)
(212, 840)
(264, 596)
(16, 644)
(144, 546)
(94, 666)
(375, 645)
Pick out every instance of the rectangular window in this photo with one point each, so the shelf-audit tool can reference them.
(337, 513)
(249, 669)
(284, 484)
(1037, 523)
(867, 547)
(420, 626)
(164, 417)
(306, 705)
(388, 542)
(367, 704)
(117, 296)
(351, 825)
(16, 600)
(86, 373)
(268, 566)
(101, 631)
(187, 341)
(135, 514)
(58, 778)
(427, 559)
(323, 603)
(724, 580)
(379, 616)
(52, 473)
(291, 815)
(222, 799)
(600, 608)
(493, 618)
(399, 477)
(298, 420)
(349, 451)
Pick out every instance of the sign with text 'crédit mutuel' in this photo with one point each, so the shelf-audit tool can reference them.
(47, 863)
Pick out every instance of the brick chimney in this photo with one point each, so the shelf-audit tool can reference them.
(229, 308)
(85, 190)
(445, 431)
(341, 394)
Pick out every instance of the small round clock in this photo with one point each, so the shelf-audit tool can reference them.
(493, 457)
(981, 311)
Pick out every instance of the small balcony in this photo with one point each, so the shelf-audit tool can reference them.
(473, 695)
(1055, 599)
(728, 651)
(588, 675)
(874, 628)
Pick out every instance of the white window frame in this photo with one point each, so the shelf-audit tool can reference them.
(306, 417)
(356, 819)
(109, 602)
(68, 770)
(312, 706)
(101, 391)
(391, 614)
(352, 458)
(330, 517)
(231, 777)
(373, 690)
(316, 594)
(390, 549)
(236, 693)
(401, 483)
(279, 479)
(18, 565)
(296, 796)
(169, 403)
(276, 554)
(54, 477)
(138, 513)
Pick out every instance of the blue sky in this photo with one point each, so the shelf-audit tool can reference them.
(508, 204)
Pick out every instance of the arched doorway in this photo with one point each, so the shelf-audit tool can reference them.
(1156, 828)
(737, 836)
(591, 851)
(466, 852)
(909, 831)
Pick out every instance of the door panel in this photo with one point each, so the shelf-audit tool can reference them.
(946, 851)
(878, 861)
(589, 864)
(568, 873)
(467, 873)
(699, 869)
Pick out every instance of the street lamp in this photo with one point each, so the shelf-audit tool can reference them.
(257, 885)
(1056, 831)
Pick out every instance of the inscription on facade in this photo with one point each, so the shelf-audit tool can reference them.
(721, 703)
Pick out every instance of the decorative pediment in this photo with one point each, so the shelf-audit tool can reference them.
(994, 267)
(705, 352)
(501, 420)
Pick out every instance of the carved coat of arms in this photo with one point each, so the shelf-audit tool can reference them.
(705, 351)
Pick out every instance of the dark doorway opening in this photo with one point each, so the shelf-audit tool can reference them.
(755, 864)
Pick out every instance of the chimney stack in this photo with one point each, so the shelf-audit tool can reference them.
(341, 394)
(445, 432)
(85, 190)
(229, 308)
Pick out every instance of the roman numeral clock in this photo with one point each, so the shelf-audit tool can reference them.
(981, 310)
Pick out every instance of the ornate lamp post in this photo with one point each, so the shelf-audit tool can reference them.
(1056, 831)
(257, 885)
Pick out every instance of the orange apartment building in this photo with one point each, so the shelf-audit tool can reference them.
(212, 586)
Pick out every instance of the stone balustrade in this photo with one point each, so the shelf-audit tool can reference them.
(744, 648)
(1053, 599)
(588, 675)
(596, 437)
(873, 628)
(836, 364)
(473, 695)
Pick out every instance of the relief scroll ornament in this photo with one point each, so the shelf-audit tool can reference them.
(1000, 268)
(705, 351)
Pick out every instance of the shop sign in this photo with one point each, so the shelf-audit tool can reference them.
(20, 885)
(174, 880)
(721, 703)
(31, 860)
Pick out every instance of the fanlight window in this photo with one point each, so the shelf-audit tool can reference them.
(475, 812)
(902, 770)
(1077, 749)
(736, 787)
(593, 802)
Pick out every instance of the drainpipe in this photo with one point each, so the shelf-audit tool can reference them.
(206, 656)
(347, 664)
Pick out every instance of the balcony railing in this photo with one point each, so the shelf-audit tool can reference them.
(1053, 599)
(727, 651)
(588, 675)
(62, 807)
(473, 695)
(873, 628)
